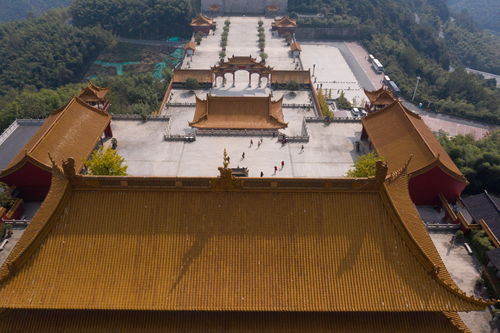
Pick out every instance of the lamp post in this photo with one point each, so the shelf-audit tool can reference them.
(416, 86)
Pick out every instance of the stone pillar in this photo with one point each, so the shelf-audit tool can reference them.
(249, 79)
(234, 79)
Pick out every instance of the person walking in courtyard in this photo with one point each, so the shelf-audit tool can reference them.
(302, 149)
(261, 174)
(275, 169)
(282, 164)
(243, 156)
(251, 142)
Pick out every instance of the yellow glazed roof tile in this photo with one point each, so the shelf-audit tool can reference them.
(227, 245)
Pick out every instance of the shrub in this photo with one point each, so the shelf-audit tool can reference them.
(263, 56)
(260, 29)
(6, 200)
(192, 83)
(227, 22)
(459, 236)
(114, 143)
(222, 55)
(106, 162)
(365, 166)
(261, 23)
(342, 102)
(226, 28)
(5, 229)
(292, 85)
(325, 110)
(481, 244)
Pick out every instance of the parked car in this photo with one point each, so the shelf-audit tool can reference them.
(355, 112)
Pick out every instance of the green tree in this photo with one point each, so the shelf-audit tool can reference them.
(192, 84)
(325, 109)
(6, 200)
(106, 162)
(365, 166)
(292, 85)
(343, 103)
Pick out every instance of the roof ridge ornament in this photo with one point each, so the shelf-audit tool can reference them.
(400, 172)
(69, 168)
(226, 180)
(381, 172)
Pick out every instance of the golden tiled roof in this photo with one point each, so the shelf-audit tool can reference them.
(202, 75)
(71, 131)
(202, 20)
(285, 76)
(397, 133)
(381, 96)
(225, 112)
(93, 93)
(284, 22)
(36, 321)
(253, 244)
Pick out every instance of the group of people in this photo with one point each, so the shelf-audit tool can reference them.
(259, 143)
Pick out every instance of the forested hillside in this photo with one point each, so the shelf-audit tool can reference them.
(11, 10)
(153, 19)
(46, 53)
(486, 13)
(407, 36)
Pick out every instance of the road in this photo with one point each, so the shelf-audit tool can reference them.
(355, 56)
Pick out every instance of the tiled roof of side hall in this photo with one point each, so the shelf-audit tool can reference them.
(226, 244)
(71, 131)
(238, 113)
(396, 133)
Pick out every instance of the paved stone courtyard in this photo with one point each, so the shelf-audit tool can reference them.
(464, 270)
(329, 153)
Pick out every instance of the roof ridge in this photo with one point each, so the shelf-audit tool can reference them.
(491, 200)
(437, 271)
(59, 116)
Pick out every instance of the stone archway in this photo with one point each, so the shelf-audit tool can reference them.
(234, 64)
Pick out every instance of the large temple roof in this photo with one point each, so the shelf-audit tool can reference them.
(226, 244)
(222, 112)
(71, 131)
(396, 133)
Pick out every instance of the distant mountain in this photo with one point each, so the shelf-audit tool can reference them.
(18, 9)
(486, 13)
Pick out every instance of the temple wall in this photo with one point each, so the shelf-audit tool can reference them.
(247, 7)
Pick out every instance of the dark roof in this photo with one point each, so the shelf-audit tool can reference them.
(484, 207)
(494, 257)
(17, 139)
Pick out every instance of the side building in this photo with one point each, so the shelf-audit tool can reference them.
(72, 131)
(396, 133)
(225, 254)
